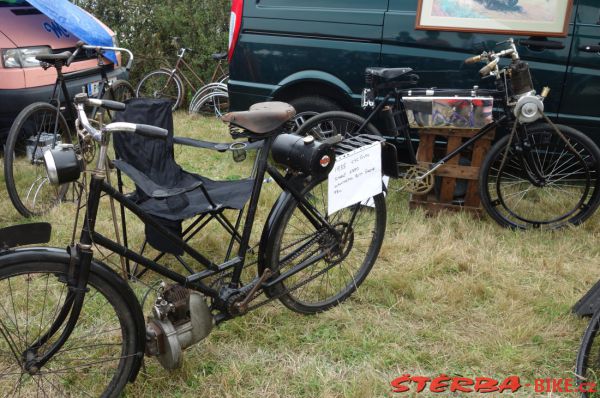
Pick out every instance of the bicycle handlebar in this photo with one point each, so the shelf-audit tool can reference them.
(493, 58)
(81, 100)
(81, 44)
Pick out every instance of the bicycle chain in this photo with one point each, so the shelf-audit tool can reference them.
(296, 286)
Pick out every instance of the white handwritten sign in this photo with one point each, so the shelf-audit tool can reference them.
(355, 177)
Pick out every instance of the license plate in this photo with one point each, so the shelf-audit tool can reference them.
(93, 89)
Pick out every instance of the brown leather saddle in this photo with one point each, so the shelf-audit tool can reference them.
(262, 118)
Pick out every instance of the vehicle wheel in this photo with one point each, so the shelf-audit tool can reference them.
(329, 124)
(119, 91)
(24, 171)
(203, 91)
(568, 193)
(309, 106)
(587, 364)
(343, 266)
(161, 84)
(98, 357)
(215, 103)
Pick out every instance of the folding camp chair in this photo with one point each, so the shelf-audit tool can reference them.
(166, 191)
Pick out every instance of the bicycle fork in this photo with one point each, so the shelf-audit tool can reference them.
(76, 281)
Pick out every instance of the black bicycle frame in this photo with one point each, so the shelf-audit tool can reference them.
(82, 254)
(406, 133)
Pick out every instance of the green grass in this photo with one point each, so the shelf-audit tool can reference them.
(449, 294)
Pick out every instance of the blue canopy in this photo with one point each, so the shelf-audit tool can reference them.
(76, 21)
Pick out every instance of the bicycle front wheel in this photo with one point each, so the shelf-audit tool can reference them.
(161, 84)
(543, 183)
(587, 365)
(99, 355)
(338, 264)
(39, 127)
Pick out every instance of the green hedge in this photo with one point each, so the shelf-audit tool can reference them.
(146, 28)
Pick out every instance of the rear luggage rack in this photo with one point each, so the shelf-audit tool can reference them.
(389, 156)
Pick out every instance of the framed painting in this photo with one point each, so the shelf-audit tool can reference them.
(514, 17)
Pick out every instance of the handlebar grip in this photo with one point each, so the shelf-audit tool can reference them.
(80, 43)
(107, 104)
(113, 105)
(488, 68)
(473, 60)
(151, 131)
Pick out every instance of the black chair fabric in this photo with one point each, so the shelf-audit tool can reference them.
(163, 189)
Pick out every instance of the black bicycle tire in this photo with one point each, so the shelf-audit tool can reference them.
(311, 123)
(113, 297)
(198, 108)
(583, 354)
(497, 152)
(9, 152)
(115, 86)
(176, 79)
(273, 251)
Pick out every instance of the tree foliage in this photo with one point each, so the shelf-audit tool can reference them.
(146, 27)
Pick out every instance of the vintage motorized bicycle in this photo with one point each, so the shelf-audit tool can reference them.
(70, 324)
(540, 175)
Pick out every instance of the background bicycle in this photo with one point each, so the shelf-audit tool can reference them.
(540, 175)
(43, 125)
(171, 82)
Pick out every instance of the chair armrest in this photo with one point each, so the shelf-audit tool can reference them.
(215, 146)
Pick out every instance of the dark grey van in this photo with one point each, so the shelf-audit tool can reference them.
(313, 53)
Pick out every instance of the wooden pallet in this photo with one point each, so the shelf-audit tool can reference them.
(442, 197)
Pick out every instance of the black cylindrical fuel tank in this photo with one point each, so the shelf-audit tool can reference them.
(304, 154)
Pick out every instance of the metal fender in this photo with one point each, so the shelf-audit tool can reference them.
(39, 254)
(315, 76)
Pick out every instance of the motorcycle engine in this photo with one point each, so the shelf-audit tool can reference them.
(180, 318)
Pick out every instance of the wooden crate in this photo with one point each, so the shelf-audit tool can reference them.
(442, 198)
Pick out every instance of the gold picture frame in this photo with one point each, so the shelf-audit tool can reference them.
(515, 17)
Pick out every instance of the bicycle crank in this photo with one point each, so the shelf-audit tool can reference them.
(418, 181)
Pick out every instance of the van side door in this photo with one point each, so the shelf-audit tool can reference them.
(581, 95)
(286, 44)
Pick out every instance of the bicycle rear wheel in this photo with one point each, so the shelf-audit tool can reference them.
(36, 129)
(543, 184)
(587, 365)
(331, 123)
(119, 91)
(340, 265)
(99, 355)
(161, 84)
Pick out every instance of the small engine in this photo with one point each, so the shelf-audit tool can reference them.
(180, 318)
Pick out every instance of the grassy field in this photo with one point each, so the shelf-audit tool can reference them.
(449, 294)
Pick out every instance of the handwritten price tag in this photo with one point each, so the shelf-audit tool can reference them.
(355, 177)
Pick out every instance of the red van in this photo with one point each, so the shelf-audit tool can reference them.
(24, 33)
